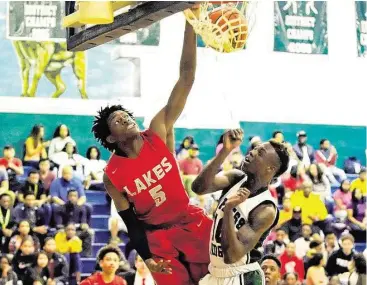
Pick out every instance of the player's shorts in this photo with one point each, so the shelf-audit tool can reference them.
(186, 244)
(231, 276)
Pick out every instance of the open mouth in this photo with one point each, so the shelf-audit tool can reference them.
(246, 160)
(131, 126)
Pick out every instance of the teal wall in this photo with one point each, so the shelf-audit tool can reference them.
(349, 141)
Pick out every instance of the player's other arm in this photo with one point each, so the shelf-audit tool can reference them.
(235, 245)
(165, 119)
(208, 181)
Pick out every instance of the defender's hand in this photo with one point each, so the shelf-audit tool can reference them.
(232, 139)
(162, 266)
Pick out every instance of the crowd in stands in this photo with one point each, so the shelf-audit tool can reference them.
(46, 218)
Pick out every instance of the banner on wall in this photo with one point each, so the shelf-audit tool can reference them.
(361, 18)
(301, 27)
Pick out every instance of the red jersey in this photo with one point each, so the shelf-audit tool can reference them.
(151, 181)
(96, 279)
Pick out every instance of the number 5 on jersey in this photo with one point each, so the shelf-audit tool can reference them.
(158, 195)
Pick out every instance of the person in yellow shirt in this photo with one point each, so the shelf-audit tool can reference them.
(360, 183)
(314, 211)
(286, 213)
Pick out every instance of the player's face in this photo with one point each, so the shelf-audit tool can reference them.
(271, 271)
(122, 126)
(110, 262)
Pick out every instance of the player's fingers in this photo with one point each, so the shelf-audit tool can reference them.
(233, 134)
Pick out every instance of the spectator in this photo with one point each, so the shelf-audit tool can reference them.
(286, 213)
(313, 209)
(357, 275)
(352, 165)
(108, 259)
(94, 169)
(290, 278)
(69, 244)
(293, 158)
(183, 150)
(7, 222)
(253, 142)
(316, 273)
(39, 270)
(4, 184)
(271, 265)
(142, 275)
(331, 244)
(278, 136)
(316, 246)
(326, 157)
(23, 233)
(190, 167)
(35, 147)
(357, 215)
(46, 176)
(304, 152)
(116, 224)
(24, 258)
(57, 265)
(321, 184)
(290, 262)
(227, 165)
(35, 186)
(339, 260)
(69, 156)
(295, 178)
(293, 227)
(334, 280)
(13, 166)
(303, 242)
(360, 182)
(59, 191)
(60, 138)
(277, 247)
(342, 198)
(7, 275)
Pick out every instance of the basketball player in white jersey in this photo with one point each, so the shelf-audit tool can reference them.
(246, 211)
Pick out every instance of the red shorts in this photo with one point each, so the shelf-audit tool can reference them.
(189, 239)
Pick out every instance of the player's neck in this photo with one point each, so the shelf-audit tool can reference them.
(108, 277)
(130, 148)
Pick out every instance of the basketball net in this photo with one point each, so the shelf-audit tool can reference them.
(227, 34)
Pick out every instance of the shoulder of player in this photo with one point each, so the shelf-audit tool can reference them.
(263, 215)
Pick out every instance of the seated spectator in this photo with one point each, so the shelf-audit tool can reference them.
(23, 233)
(46, 175)
(331, 244)
(277, 247)
(35, 147)
(342, 198)
(339, 260)
(33, 214)
(69, 244)
(290, 262)
(69, 157)
(24, 258)
(60, 138)
(57, 265)
(253, 142)
(293, 227)
(7, 275)
(357, 215)
(286, 213)
(316, 247)
(321, 184)
(313, 209)
(38, 271)
(352, 165)
(271, 265)
(357, 271)
(303, 242)
(94, 169)
(326, 157)
(294, 179)
(116, 224)
(227, 165)
(59, 191)
(360, 183)
(293, 158)
(278, 136)
(304, 152)
(190, 167)
(183, 150)
(13, 166)
(290, 278)
(142, 274)
(316, 273)
(7, 222)
(4, 184)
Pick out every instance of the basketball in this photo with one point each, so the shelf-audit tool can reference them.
(230, 21)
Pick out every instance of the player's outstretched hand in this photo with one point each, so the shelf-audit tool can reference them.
(235, 200)
(232, 139)
(162, 266)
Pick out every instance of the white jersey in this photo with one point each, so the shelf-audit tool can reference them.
(241, 215)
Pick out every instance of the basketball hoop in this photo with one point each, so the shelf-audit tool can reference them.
(223, 25)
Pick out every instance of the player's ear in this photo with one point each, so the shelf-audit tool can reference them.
(270, 169)
(110, 139)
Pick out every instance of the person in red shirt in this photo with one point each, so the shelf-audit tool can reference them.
(143, 179)
(13, 166)
(291, 263)
(108, 258)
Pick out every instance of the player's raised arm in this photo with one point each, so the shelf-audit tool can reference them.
(235, 245)
(208, 181)
(165, 119)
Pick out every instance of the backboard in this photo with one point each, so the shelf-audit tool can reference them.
(137, 15)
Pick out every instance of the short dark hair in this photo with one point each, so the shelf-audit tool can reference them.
(107, 249)
(347, 237)
(322, 141)
(275, 133)
(89, 150)
(57, 131)
(289, 273)
(101, 129)
(316, 259)
(283, 155)
(314, 244)
(33, 171)
(72, 190)
(29, 193)
(8, 147)
(4, 194)
(48, 239)
(360, 263)
(272, 257)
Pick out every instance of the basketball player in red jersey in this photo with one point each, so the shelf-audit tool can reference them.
(143, 179)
